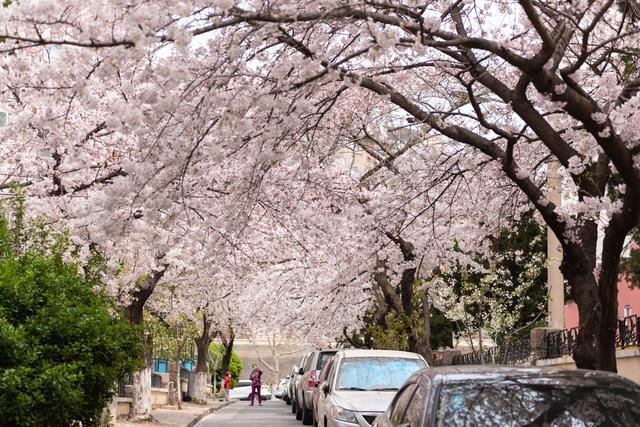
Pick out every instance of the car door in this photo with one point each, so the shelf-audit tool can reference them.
(319, 402)
(323, 405)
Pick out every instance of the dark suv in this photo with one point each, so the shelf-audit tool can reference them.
(306, 381)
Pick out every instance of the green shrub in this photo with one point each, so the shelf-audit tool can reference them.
(63, 344)
(235, 365)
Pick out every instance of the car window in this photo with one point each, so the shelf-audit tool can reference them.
(400, 403)
(332, 371)
(416, 407)
(323, 358)
(306, 359)
(554, 405)
(243, 383)
(325, 371)
(307, 363)
(376, 373)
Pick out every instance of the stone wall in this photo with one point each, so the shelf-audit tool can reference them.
(628, 363)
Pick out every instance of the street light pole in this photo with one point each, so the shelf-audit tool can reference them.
(555, 281)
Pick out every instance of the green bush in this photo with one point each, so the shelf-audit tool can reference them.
(63, 344)
(235, 365)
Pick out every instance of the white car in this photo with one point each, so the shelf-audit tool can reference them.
(359, 385)
(242, 391)
(280, 388)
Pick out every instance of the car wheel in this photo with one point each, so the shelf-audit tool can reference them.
(299, 411)
(293, 406)
(307, 415)
(313, 416)
(287, 400)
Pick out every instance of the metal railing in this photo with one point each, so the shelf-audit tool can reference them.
(511, 353)
(563, 343)
(156, 381)
(628, 332)
(123, 382)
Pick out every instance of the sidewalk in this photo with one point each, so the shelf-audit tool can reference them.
(171, 416)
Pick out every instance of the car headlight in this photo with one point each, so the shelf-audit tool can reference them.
(343, 415)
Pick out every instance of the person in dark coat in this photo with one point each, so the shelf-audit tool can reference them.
(256, 383)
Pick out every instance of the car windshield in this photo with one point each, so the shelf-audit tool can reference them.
(517, 404)
(376, 373)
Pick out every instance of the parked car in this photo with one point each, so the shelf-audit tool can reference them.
(280, 388)
(361, 384)
(242, 391)
(297, 384)
(317, 390)
(306, 381)
(288, 387)
(508, 396)
(292, 384)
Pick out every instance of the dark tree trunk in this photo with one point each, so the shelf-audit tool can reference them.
(202, 366)
(202, 345)
(228, 350)
(141, 400)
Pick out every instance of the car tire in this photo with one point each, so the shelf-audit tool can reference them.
(313, 416)
(287, 400)
(293, 406)
(298, 411)
(307, 415)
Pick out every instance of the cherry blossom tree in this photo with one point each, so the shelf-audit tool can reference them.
(183, 133)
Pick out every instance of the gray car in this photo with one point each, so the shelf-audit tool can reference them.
(512, 397)
(307, 381)
(360, 385)
(295, 384)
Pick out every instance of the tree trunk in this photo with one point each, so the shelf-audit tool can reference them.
(578, 270)
(141, 404)
(228, 350)
(202, 367)
(174, 382)
(141, 399)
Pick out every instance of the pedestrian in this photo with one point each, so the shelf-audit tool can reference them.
(256, 383)
(227, 384)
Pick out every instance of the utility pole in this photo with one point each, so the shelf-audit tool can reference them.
(555, 281)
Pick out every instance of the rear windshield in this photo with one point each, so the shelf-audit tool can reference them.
(513, 404)
(243, 383)
(323, 358)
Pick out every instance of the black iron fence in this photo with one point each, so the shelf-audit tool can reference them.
(563, 343)
(122, 386)
(511, 353)
(156, 381)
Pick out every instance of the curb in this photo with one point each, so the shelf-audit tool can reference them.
(207, 412)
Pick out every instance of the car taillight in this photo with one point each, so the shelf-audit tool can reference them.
(313, 376)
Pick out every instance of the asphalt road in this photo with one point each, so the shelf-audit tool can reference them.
(272, 413)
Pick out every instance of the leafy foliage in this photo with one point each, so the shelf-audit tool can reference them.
(235, 365)
(63, 344)
(393, 333)
(504, 293)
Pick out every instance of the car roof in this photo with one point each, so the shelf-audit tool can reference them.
(477, 373)
(353, 352)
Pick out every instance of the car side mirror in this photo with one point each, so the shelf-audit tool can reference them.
(325, 388)
(301, 371)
